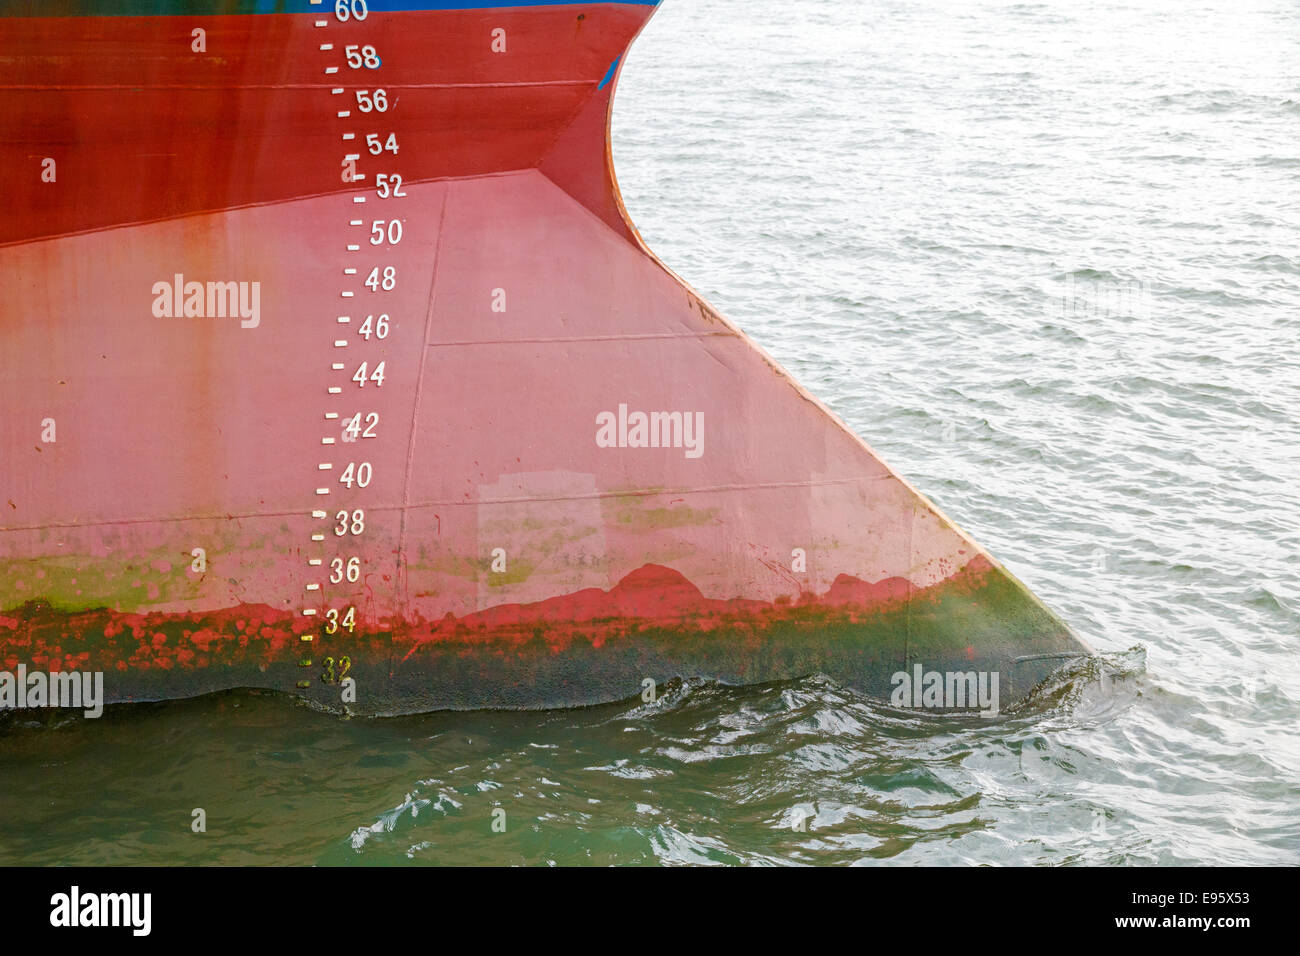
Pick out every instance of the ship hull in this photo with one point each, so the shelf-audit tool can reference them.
(273, 419)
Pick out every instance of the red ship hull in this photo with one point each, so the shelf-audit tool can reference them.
(255, 434)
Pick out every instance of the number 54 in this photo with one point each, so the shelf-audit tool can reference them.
(376, 144)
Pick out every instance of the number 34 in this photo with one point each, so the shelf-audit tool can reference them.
(332, 622)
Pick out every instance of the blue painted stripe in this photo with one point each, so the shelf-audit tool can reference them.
(202, 8)
(609, 74)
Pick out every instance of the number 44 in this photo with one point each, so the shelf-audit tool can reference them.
(363, 375)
